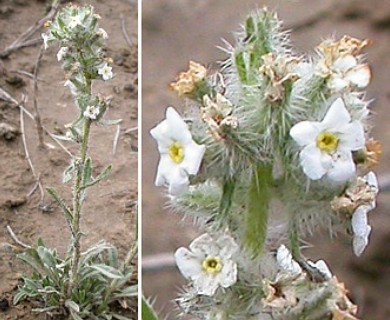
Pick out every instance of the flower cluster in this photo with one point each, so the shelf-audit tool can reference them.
(269, 126)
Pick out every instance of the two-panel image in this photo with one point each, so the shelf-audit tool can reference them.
(211, 160)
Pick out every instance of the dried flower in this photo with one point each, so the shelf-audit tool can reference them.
(188, 80)
(279, 70)
(217, 115)
(372, 154)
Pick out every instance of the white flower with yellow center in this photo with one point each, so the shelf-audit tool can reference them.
(346, 72)
(91, 112)
(62, 52)
(180, 156)
(106, 72)
(328, 145)
(209, 263)
(360, 227)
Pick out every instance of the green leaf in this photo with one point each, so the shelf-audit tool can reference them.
(147, 311)
(87, 172)
(106, 172)
(108, 271)
(249, 28)
(61, 203)
(31, 257)
(47, 257)
(74, 315)
(226, 199)
(105, 122)
(128, 292)
(257, 213)
(241, 68)
(113, 257)
(68, 173)
(72, 305)
(21, 295)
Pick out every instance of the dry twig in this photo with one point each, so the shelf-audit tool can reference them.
(37, 117)
(24, 39)
(27, 154)
(125, 34)
(116, 138)
(15, 238)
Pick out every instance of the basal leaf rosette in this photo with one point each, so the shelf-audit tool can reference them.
(180, 155)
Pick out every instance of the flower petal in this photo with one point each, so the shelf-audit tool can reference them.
(228, 275)
(188, 263)
(178, 128)
(321, 266)
(343, 168)
(352, 137)
(286, 262)
(206, 284)
(372, 180)
(312, 162)
(193, 155)
(360, 242)
(337, 84)
(360, 76)
(359, 221)
(204, 244)
(228, 247)
(305, 132)
(337, 115)
(345, 63)
(169, 173)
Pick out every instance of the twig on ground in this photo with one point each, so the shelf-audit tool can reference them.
(27, 154)
(116, 138)
(125, 34)
(28, 43)
(4, 95)
(24, 38)
(27, 74)
(15, 238)
(37, 117)
(36, 185)
(131, 130)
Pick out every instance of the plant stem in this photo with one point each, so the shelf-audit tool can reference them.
(77, 200)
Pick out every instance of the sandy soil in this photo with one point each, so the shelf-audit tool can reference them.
(110, 210)
(175, 32)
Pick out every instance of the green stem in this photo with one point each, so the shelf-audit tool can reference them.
(77, 200)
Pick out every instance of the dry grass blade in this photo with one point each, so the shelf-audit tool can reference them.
(15, 238)
(37, 117)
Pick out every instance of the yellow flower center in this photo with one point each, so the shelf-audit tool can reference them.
(176, 152)
(212, 265)
(327, 142)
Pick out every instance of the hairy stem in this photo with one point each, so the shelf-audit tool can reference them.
(77, 200)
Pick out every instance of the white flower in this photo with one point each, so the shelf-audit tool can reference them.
(285, 261)
(106, 72)
(74, 21)
(209, 263)
(91, 112)
(328, 145)
(360, 227)
(45, 38)
(346, 72)
(71, 86)
(180, 156)
(62, 52)
(322, 267)
(101, 32)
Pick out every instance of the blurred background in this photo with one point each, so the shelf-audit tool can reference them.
(175, 32)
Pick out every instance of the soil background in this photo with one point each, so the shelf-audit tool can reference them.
(175, 32)
(110, 207)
